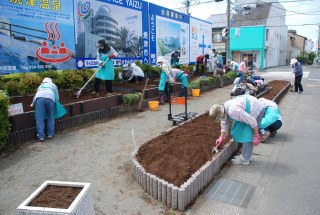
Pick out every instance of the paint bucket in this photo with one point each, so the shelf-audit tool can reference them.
(153, 105)
(195, 92)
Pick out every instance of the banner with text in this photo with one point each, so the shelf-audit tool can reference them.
(122, 23)
(169, 32)
(35, 36)
(200, 38)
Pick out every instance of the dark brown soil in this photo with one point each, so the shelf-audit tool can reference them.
(176, 156)
(277, 86)
(68, 96)
(56, 197)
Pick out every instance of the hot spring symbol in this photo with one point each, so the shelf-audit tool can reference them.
(54, 55)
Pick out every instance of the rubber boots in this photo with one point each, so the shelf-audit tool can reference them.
(161, 97)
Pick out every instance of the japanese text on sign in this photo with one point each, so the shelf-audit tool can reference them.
(43, 4)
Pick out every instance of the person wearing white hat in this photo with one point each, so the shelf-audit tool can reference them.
(298, 73)
(246, 112)
(165, 77)
(47, 106)
(136, 74)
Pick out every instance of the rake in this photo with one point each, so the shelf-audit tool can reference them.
(79, 92)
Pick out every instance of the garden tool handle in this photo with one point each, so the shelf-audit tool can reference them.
(94, 74)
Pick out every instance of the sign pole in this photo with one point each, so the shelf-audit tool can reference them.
(228, 27)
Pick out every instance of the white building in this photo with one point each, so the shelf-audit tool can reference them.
(309, 45)
(272, 15)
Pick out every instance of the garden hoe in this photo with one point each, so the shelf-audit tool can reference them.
(143, 92)
(79, 92)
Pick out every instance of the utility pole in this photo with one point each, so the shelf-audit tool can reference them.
(188, 3)
(228, 27)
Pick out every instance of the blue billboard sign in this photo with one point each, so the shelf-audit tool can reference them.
(169, 32)
(123, 24)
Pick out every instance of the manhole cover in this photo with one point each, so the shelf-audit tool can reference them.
(231, 192)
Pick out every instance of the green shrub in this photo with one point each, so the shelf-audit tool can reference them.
(29, 82)
(15, 88)
(196, 84)
(54, 75)
(4, 119)
(69, 79)
(131, 98)
(116, 75)
(12, 77)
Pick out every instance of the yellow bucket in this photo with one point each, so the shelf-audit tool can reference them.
(153, 105)
(195, 92)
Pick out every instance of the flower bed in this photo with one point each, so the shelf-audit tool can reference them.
(92, 108)
(175, 166)
(54, 197)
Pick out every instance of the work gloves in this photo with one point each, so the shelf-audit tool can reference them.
(220, 140)
(255, 141)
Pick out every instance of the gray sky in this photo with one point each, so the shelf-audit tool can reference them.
(311, 32)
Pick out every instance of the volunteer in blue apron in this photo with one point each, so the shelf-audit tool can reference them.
(246, 112)
(165, 78)
(179, 75)
(47, 106)
(106, 73)
(271, 121)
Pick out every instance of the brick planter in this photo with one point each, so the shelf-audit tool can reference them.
(280, 95)
(180, 197)
(83, 203)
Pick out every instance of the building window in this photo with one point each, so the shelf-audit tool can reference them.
(217, 38)
(267, 34)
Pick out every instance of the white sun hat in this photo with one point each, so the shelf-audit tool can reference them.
(293, 61)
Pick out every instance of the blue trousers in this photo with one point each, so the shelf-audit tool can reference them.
(275, 126)
(240, 74)
(45, 107)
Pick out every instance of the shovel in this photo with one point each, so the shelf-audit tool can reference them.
(215, 149)
(79, 92)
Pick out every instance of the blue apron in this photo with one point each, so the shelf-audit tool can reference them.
(183, 78)
(271, 116)
(163, 81)
(242, 132)
(59, 110)
(106, 72)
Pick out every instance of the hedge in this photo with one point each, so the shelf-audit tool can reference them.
(207, 81)
(131, 98)
(20, 84)
(5, 124)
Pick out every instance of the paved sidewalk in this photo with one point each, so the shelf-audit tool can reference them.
(285, 172)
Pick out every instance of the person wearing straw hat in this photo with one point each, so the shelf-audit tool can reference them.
(298, 73)
(47, 106)
(246, 112)
(165, 77)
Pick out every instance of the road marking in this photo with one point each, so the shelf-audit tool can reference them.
(282, 74)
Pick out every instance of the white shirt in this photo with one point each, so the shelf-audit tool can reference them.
(236, 110)
(136, 71)
(46, 92)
